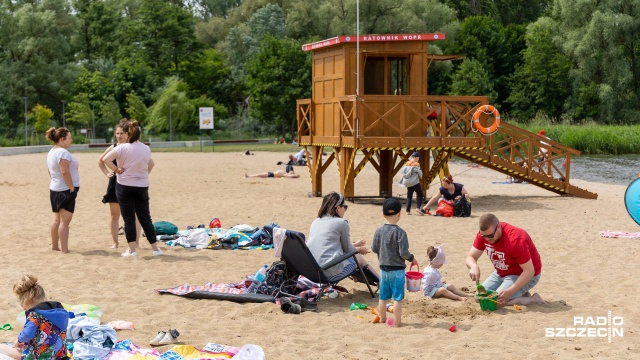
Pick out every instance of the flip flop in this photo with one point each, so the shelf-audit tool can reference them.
(6, 327)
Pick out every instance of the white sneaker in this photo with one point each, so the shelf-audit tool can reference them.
(156, 340)
(169, 338)
(157, 252)
(129, 253)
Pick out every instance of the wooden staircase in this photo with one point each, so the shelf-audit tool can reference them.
(514, 151)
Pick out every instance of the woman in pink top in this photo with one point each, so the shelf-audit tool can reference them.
(132, 188)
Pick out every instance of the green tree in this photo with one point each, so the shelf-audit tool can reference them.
(278, 75)
(162, 34)
(36, 54)
(172, 106)
(99, 20)
(482, 38)
(472, 79)
(541, 82)
(244, 41)
(210, 76)
(136, 108)
(308, 19)
(80, 112)
(134, 75)
(108, 115)
(94, 84)
(42, 116)
(426, 16)
(601, 38)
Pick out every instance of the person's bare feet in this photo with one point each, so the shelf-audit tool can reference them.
(245, 176)
(538, 299)
(114, 246)
(462, 298)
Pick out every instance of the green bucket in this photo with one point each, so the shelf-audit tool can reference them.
(485, 301)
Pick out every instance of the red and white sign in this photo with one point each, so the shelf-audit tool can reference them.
(373, 38)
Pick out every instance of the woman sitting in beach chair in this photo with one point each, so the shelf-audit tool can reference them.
(329, 238)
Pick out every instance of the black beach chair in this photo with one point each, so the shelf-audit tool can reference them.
(300, 261)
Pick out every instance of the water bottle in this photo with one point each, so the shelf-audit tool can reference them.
(257, 280)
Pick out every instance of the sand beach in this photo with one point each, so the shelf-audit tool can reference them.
(583, 274)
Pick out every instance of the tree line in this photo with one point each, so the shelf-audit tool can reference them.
(158, 61)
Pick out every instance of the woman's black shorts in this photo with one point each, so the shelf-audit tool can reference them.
(63, 200)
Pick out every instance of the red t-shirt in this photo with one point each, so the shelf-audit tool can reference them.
(514, 248)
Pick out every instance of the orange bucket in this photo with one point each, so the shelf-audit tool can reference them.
(414, 279)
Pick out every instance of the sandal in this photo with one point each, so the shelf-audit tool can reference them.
(121, 230)
(289, 307)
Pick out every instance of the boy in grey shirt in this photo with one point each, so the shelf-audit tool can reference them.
(392, 246)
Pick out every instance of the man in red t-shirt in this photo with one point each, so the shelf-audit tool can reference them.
(515, 259)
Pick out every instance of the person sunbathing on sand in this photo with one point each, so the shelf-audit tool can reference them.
(275, 174)
(515, 259)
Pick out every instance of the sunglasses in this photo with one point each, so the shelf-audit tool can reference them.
(489, 236)
(345, 206)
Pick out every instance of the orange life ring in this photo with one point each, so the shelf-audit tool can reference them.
(486, 109)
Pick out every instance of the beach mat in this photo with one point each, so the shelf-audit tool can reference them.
(239, 298)
(230, 292)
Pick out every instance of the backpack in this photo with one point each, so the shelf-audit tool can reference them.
(165, 228)
(445, 208)
(462, 207)
(279, 281)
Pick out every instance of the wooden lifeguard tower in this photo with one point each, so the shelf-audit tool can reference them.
(392, 115)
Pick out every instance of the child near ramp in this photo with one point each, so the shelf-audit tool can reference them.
(411, 175)
(432, 284)
(391, 244)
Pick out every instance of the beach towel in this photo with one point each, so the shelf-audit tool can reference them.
(619, 234)
(92, 312)
(180, 352)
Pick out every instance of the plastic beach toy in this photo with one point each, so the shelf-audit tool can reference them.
(632, 200)
(358, 306)
(414, 279)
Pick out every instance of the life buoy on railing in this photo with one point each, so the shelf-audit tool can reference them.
(486, 109)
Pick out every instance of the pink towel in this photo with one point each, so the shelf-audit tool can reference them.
(619, 234)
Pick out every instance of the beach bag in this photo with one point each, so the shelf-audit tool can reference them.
(462, 207)
(165, 228)
(279, 281)
(445, 208)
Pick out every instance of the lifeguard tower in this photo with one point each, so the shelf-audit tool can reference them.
(391, 115)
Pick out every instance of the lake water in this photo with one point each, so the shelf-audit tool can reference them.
(617, 169)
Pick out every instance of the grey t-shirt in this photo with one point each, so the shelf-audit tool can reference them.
(328, 239)
(391, 244)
